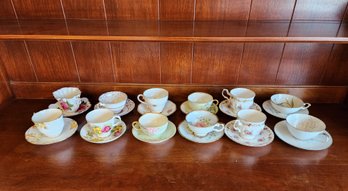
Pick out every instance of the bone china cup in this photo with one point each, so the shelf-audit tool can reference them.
(102, 121)
(239, 98)
(250, 123)
(287, 104)
(151, 124)
(201, 101)
(68, 98)
(49, 122)
(304, 127)
(154, 98)
(202, 122)
(113, 100)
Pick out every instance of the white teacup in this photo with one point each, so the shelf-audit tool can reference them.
(102, 121)
(239, 98)
(201, 101)
(304, 127)
(249, 123)
(68, 98)
(202, 122)
(286, 103)
(114, 100)
(49, 122)
(152, 124)
(154, 98)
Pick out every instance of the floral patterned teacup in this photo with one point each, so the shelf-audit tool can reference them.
(250, 123)
(239, 98)
(102, 121)
(203, 122)
(201, 101)
(151, 124)
(49, 122)
(113, 100)
(68, 98)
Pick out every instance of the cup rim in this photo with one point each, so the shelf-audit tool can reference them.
(78, 92)
(44, 110)
(292, 96)
(153, 89)
(264, 116)
(153, 114)
(195, 93)
(252, 93)
(322, 125)
(112, 92)
(91, 113)
(204, 111)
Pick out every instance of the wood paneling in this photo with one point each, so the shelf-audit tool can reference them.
(6, 10)
(266, 29)
(319, 9)
(314, 29)
(177, 10)
(137, 62)
(132, 9)
(303, 63)
(43, 27)
(336, 72)
(216, 63)
(260, 63)
(176, 62)
(53, 61)
(38, 9)
(94, 61)
(16, 61)
(84, 9)
(5, 91)
(220, 29)
(271, 9)
(87, 27)
(222, 9)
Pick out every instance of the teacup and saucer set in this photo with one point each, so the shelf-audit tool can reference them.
(304, 131)
(236, 100)
(155, 100)
(50, 127)
(201, 127)
(116, 101)
(153, 128)
(200, 101)
(69, 101)
(249, 129)
(102, 126)
(281, 105)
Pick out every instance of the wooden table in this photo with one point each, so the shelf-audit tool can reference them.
(128, 164)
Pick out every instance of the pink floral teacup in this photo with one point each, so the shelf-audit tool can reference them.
(68, 98)
(102, 121)
(151, 124)
(250, 123)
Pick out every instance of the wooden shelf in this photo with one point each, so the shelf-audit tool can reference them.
(216, 31)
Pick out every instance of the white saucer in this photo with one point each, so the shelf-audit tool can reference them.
(187, 133)
(264, 138)
(228, 110)
(169, 108)
(130, 105)
(85, 105)
(269, 109)
(169, 133)
(321, 142)
(34, 136)
(116, 133)
(185, 108)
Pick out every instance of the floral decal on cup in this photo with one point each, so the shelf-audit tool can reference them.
(65, 105)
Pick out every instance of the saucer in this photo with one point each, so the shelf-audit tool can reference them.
(169, 133)
(227, 109)
(185, 108)
(321, 142)
(187, 133)
(269, 109)
(169, 108)
(34, 136)
(85, 105)
(116, 133)
(264, 138)
(130, 105)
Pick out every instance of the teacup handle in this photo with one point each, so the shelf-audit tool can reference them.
(306, 105)
(140, 98)
(117, 120)
(236, 125)
(215, 101)
(219, 127)
(136, 125)
(227, 96)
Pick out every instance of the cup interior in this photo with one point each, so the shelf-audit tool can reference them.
(306, 123)
(66, 92)
(99, 115)
(251, 115)
(46, 115)
(242, 93)
(286, 100)
(200, 97)
(201, 118)
(113, 97)
(153, 120)
(156, 93)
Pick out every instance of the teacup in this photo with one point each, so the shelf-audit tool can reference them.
(239, 98)
(68, 98)
(202, 122)
(113, 100)
(249, 123)
(304, 127)
(154, 98)
(49, 122)
(287, 104)
(152, 124)
(201, 101)
(102, 121)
